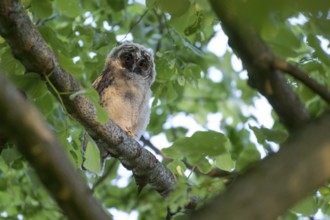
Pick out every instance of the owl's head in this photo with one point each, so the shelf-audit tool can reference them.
(135, 58)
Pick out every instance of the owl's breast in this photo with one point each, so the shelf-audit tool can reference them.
(127, 105)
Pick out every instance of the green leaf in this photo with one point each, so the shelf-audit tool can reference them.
(169, 92)
(181, 80)
(46, 104)
(274, 135)
(8, 64)
(150, 4)
(10, 155)
(325, 191)
(42, 9)
(306, 207)
(225, 162)
(197, 148)
(178, 197)
(173, 7)
(248, 156)
(181, 23)
(67, 63)
(103, 39)
(117, 5)
(192, 71)
(30, 83)
(165, 69)
(177, 167)
(288, 216)
(92, 158)
(69, 8)
(93, 96)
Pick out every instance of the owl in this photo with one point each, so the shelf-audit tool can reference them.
(124, 87)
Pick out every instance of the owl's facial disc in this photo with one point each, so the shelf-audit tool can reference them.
(127, 60)
(142, 66)
(136, 62)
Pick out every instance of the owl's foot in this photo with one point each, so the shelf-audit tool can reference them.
(130, 133)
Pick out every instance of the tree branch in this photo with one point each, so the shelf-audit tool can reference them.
(279, 181)
(268, 189)
(23, 123)
(258, 59)
(303, 77)
(28, 47)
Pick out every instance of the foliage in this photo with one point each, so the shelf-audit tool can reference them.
(82, 32)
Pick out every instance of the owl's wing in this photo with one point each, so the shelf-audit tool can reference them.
(103, 81)
(97, 81)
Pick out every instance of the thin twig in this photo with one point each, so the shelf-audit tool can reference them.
(160, 30)
(168, 29)
(302, 77)
(56, 91)
(105, 175)
(133, 26)
(42, 22)
(147, 142)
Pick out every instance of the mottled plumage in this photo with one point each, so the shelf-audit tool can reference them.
(124, 87)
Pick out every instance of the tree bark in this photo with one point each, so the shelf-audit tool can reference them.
(24, 125)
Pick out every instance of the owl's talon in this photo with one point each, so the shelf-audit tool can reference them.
(130, 133)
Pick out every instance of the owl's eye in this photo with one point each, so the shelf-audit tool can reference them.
(127, 57)
(143, 65)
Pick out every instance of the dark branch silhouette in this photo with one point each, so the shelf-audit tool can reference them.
(24, 125)
(258, 59)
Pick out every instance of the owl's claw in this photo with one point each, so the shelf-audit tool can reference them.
(130, 133)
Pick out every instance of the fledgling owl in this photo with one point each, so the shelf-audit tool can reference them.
(124, 87)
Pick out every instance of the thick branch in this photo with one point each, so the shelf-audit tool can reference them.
(28, 47)
(23, 123)
(280, 180)
(258, 59)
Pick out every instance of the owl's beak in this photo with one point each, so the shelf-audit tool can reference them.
(134, 66)
(136, 69)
